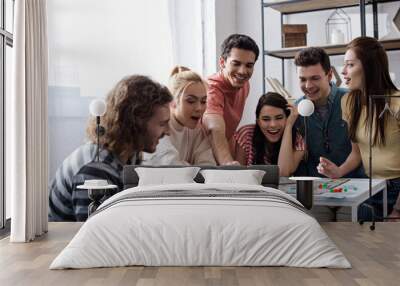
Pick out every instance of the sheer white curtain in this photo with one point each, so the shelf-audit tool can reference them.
(27, 119)
(193, 34)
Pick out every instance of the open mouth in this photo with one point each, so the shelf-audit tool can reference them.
(240, 78)
(312, 93)
(347, 81)
(195, 118)
(273, 132)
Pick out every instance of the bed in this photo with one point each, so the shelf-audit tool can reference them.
(201, 223)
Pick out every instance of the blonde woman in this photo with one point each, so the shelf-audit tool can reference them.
(188, 143)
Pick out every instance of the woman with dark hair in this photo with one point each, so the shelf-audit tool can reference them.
(366, 73)
(136, 117)
(272, 140)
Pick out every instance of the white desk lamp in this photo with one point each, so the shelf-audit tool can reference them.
(305, 109)
(97, 108)
(304, 185)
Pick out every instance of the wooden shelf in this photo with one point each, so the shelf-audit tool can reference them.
(297, 6)
(289, 53)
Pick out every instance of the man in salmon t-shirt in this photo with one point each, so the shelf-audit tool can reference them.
(227, 94)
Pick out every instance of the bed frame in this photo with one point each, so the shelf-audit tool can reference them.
(271, 178)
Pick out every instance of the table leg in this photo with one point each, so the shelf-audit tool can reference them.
(385, 205)
(95, 195)
(354, 213)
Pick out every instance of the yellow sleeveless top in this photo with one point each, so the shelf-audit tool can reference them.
(385, 158)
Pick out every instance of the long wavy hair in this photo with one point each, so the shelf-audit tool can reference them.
(377, 80)
(263, 149)
(129, 106)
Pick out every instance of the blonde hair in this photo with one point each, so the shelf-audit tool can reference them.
(181, 77)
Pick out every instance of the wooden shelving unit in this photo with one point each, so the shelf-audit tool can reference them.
(286, 7)
(299, 6)
(289, 53)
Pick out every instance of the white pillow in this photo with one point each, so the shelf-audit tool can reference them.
(249, 177)
(163, 176)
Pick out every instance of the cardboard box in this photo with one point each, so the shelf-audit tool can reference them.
(294, 35)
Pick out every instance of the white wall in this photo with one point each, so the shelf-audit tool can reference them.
(186, 27)
(225, 22)
(248, 15)
(92, 45)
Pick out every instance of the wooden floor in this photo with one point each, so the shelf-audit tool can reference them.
(374, 255)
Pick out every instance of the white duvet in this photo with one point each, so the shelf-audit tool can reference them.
(183, 231)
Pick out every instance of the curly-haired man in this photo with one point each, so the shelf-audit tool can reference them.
(136, 117)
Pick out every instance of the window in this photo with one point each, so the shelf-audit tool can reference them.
(6, 44)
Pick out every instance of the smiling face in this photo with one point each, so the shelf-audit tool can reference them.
(238, 66)
(272, 121)
(314, 82)
(353, 71)
(191, 105)
(156, 128)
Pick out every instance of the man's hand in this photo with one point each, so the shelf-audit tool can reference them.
(216, 125)
(328, 168)
(231, 163)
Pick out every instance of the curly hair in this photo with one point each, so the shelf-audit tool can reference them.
(181, 77)
(239, 41)
(130, 104)
(313, 56)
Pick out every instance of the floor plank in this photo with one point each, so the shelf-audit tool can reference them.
(374, 255)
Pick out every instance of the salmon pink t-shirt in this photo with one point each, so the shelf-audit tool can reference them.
(225, 100)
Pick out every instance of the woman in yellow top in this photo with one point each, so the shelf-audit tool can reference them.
(366, 73)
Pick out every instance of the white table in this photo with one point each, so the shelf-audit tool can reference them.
(351, 199)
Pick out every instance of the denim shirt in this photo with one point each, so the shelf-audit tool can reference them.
(327, 137)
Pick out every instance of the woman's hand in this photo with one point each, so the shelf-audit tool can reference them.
(292, 116)
(328, 168)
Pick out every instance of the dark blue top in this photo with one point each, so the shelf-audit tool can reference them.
(326, 137)
(66, 201)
